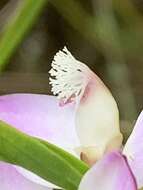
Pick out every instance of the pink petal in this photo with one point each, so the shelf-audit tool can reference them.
(134, 151)
(10, 179)
(40, 116)
(110, 173)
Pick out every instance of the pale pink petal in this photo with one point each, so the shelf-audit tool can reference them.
(10, 179)
(40, 116)
(110, 173)
(35, 178)
(134, 151)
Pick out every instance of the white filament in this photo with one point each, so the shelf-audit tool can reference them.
(68, 75)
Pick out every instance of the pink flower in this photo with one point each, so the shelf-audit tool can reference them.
(85, 123)
(39, 116)
(11, 179)
(121, 171)
(110, 173)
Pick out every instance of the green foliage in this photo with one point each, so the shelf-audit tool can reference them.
(20, 23)
(44, 159)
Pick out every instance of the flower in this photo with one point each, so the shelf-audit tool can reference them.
(96, 114)
(110, 173)
(121, 171)
(38, 116)
(11, 179)
(85, 122)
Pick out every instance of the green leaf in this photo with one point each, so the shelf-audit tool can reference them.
(44, 159)
(23, 18)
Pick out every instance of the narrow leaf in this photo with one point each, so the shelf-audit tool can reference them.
(44, 159)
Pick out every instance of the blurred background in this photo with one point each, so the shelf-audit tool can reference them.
(107, 35)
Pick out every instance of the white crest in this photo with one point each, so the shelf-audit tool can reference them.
(69, 76)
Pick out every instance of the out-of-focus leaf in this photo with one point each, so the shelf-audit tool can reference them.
(23, 18)
(44, 159)
(74, 13)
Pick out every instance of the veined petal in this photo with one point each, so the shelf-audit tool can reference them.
(134, 151)
(110, 173)
(40, 116)
(10, 179)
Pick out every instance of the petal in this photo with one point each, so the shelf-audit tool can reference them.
(40, 116)
(35, 178)
(97, 117)
(134, 151)
(110, 173)
(10, 179)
